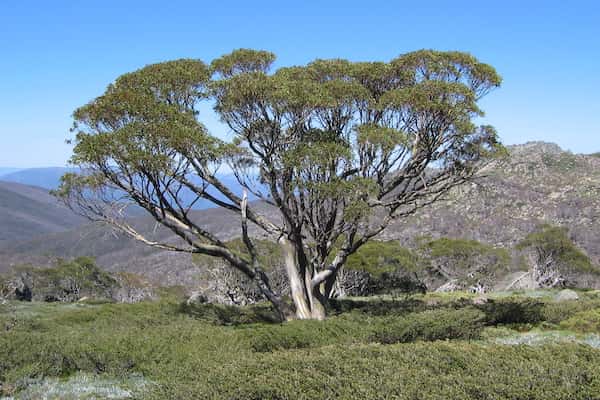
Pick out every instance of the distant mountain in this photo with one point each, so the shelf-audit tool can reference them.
(47, 178)
(28, 211)
(8, 170)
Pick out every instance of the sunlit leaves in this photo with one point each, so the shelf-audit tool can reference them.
(450, 98)
(180, 82)
(553, 242)
(383, 138)
(243, 61)
(450, 66)
(72, 182)
(146, 118)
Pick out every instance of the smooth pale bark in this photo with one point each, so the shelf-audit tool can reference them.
(308, 300)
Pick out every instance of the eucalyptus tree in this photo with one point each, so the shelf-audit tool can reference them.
(338, 149)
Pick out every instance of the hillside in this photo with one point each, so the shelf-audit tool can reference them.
(27, 211)
(116, 251)
(539, 183)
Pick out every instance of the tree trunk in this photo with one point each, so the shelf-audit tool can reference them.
(308, 300)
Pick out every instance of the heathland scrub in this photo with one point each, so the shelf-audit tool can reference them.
(434, 346)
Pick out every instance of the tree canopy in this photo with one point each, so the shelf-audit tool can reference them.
(338, 149)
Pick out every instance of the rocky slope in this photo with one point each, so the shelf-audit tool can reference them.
(538, 183)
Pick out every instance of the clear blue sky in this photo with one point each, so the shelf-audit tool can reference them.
(58, 55)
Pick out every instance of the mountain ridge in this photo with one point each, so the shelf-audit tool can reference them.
(27, 210)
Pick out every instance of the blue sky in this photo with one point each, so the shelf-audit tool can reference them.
(58, 55)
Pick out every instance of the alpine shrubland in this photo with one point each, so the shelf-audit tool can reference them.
(434, 346)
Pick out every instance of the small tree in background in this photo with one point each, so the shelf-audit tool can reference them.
(555, 256)
(381, 267)
(340, 149)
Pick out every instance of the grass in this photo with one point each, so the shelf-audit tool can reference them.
(425, 347)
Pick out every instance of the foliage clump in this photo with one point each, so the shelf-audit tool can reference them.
(513, 311)
(67, 281)
(379, 257)
(431, 325)
(583, 321)
(382, 267)
(472, 265)
(465, 324)
(555, 312)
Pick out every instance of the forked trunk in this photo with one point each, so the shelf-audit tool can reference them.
(308, 300)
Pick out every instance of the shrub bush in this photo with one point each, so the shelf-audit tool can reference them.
(378, 306)
(554, 242)
(557, 312)
(512, 311)
(302, 334)
(377, 257)
(584, 321)
(223, 314)
(432, 371)
(354, 328)
(432, 325)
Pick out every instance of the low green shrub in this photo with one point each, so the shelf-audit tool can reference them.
(556, 312)
(554, 242)
(67, 281)
(432, 371)
(355, 328)
(512, 310)
(303, 334)
(222, 314)
(584, 321)
(378, 306)
(380, 256)
(432, 325)
(190, 356)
